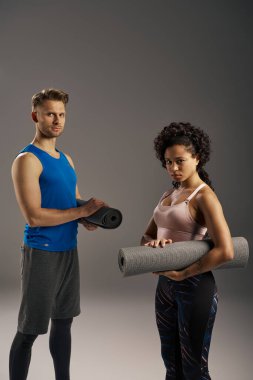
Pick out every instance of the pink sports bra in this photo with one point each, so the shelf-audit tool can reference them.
(175, 221)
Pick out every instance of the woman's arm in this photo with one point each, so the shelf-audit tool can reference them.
(150, 233)
(150, 236)
(218, 231)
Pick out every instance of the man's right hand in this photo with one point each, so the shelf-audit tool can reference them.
(91, 207)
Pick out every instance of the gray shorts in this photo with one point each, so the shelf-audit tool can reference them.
(50, 288)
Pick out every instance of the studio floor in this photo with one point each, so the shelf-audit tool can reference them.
(116, 339)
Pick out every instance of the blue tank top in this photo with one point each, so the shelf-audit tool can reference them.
(58, 190)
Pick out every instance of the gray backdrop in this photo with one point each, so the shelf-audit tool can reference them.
(130, 68)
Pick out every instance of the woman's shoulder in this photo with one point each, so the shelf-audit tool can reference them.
(206, 196)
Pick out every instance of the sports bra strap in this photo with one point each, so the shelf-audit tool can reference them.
(195, 192)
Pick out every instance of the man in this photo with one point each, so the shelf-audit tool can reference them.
(46, 190)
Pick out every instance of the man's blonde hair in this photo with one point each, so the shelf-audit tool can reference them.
(49, 94)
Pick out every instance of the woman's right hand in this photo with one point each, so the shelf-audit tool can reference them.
(158, 243)
(91, 207)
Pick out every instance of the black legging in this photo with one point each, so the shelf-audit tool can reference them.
(185, 315)
(60, 348)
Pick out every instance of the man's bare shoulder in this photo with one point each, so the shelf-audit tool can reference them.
(26, 161)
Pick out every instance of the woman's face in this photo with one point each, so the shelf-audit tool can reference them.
(180, 163)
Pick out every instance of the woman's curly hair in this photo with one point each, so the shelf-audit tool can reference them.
(195, 140)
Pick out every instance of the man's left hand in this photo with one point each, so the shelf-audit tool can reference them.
(88, 226)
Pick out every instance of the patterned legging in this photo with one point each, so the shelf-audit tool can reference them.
(185, 314)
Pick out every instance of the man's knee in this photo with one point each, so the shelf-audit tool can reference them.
(23, 340)
(61, 323)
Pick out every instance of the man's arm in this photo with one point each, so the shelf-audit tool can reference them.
(26, 170)
(88, 226)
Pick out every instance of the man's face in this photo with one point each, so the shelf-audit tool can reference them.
(50, 118)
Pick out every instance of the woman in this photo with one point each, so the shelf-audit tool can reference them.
(186, 300)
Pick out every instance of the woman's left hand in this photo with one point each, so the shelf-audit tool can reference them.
(173, 274)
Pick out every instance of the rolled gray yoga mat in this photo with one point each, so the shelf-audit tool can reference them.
(105, 217)
(176, 256)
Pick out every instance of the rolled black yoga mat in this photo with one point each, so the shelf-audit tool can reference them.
(105, 217)
(176, 256)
